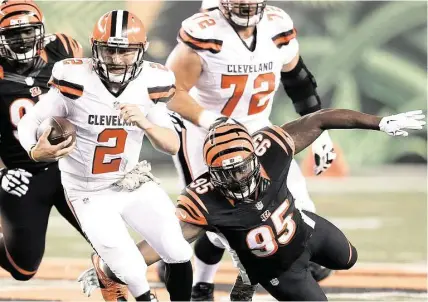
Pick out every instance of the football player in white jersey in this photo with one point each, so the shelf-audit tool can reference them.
(230, 61)
(112, 99)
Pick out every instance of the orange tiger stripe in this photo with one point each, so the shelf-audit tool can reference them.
(63, 41)
(76, 48)
(276, 139)
(233, 144)
(198, 200)
(160, 95)
(285, 136)
(224, 128)
(224, 138)
(190, 207)
(263, 173)
(6, 21)
(199, 44)
(219, 160)
(66, 89)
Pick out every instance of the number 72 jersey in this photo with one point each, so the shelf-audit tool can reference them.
(268, 234)
(235, 80)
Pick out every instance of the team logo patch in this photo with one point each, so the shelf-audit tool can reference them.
(259, 205)
(35, 91)
(274, 281)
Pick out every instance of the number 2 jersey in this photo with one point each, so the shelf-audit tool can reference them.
(107, 147)
(237, 81)
(19, 93)
(267, 235)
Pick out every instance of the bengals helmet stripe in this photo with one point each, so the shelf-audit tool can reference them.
(27, 9)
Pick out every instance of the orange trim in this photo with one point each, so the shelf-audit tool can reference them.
(263, 173)
(160, 95)
(63, 41)
(15, 266)
(198, 200)
(1, 73)
(231, 201)
(285, 39)
(285, 136)
(276, 139)
(44, 56)
(198, 44)
(68, 90)
(190, 210)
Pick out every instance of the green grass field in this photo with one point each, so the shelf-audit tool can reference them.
(385, 227)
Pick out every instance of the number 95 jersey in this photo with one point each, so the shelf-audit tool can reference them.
(237, 80)
(268, 235)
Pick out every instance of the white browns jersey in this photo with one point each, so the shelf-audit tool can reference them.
(106, 146)
(236, 81)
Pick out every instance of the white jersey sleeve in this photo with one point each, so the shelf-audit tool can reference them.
(284, 33)
(160, 82)
(200, 32)
(51, 104)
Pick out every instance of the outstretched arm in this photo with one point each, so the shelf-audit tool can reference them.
(309, 127)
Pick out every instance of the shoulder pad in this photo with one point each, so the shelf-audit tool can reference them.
(278, 136)
(64, 46)
(160, 82)
(190, 207)
(283, 30)
(198, 32)
(66, 77)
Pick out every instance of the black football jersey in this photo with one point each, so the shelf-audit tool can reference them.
(19, 93)
(268, 235)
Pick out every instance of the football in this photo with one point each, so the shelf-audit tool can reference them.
(62, 129)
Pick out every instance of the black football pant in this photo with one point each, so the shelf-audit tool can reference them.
(25, 219)
(328, 247)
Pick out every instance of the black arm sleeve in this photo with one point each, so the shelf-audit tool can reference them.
(300, 86)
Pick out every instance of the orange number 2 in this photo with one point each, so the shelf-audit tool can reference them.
(99, 166)
(258, 101)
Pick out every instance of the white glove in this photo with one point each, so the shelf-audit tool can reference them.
(393, 125)
(136, 177)
(323, 151)
(15, 181)
(88, 281)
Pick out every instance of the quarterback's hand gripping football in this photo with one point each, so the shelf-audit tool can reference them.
(44, 151)
(15, 181)
(323, 152)
(131, 113)
(393, 125)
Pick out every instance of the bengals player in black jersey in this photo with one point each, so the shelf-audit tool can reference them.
(245, 199)
(29, 189)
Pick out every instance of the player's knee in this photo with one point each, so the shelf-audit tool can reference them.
(126, 270)
(207, 252)
(182, 252)
(22, 277)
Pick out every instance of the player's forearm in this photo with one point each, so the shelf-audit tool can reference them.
(307, 129)
(163, 139)
(189, 109)
(27, 130)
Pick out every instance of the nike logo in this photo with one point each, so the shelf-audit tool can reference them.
(183, 215)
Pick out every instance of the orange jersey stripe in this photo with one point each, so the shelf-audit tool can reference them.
(63, 41)
(284, 38)
(200, 44)
(285, 136)
(66, 88)
(187, 211)
(197, 199)
(276, 139)
(164, 96)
